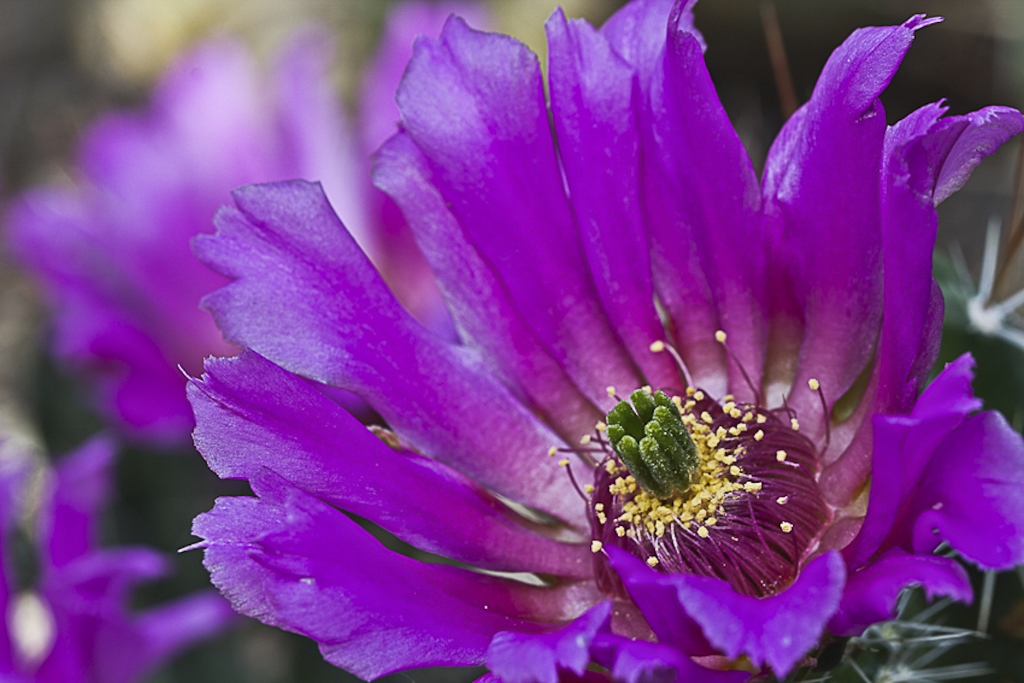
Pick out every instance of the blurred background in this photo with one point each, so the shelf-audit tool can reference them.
(64, 62)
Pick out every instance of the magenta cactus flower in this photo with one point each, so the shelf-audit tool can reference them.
(686, 431)
(74, 623)
(113, 255)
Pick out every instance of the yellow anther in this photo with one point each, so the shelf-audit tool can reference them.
(690, 391)
(564, 462)
(735, 413)
(794, 424)
(780, 456)
(601, 427)
(611, 391)
(620, 531)
(782, 500)
(595, 546)
(585, 440)
(698, 395)
(758, 435)
(786, 527)
(734, 471)
(658, 346)
(652, 562)
(813, 384)
(710, 521)
(599, 507)
(761, 419)
(706, 416)
(720, 337)
(552, 451)
(703, 532)
(588, 489)
(752, 486)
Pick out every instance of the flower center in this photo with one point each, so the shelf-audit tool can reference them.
(720, 489)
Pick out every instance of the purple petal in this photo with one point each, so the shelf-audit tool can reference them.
(927, 159)
(640, 661)
(952, 146)
(480, 304)
(295, 563)
(55, 232)
(318, 143)
(252, 415)
(702, 206)
(871, 593)
(307, 298)
(924, 155)
(740, 624)
(637, 32)
(405, 22)
(970, 494)
(100, 581)
(474, 105)
(656, 595)
(170, 628)
(526, 658)
(83, 481)
(823, 201)
(594, 100)
(903, 451)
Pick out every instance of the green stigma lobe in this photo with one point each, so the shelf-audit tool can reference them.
(653, 443)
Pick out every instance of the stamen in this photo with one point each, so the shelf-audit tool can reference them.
(659, 346)
(720, 338)
(815, 386)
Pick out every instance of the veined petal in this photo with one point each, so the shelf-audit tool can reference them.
(702, 207)
(479, 301)
(307, 298)
(251, 415)
(594, 103)
(474, 105)
(296, 563)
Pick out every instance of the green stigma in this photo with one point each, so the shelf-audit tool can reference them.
(653, 443)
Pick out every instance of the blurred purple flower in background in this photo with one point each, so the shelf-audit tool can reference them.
(75, 623)
(789, 483)
(112, 253)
